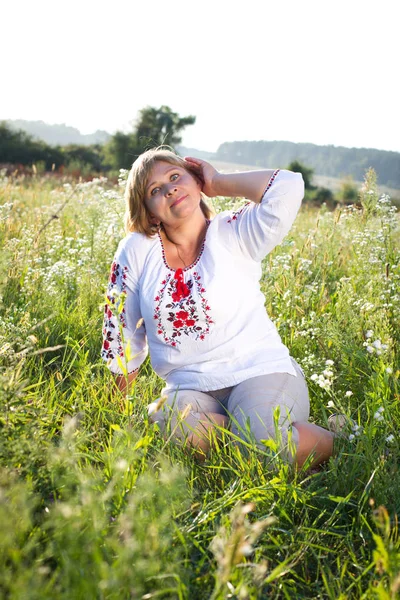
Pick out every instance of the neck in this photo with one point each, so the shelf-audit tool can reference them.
(187, 236)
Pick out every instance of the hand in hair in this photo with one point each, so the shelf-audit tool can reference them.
(207, 174)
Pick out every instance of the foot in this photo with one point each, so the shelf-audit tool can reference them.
(340, 425)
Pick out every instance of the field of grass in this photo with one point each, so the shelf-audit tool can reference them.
(95, 504)
(332, 183)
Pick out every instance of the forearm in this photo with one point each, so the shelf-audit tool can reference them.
(122, 383)
(247, 184)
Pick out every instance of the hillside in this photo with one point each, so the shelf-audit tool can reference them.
(331, 164)
(60, 134)
(332, 183)
(329, 161)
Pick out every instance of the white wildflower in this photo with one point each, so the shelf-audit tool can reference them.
(348, 393)
(329, 362)
(370, 349)
(314, 377)
(369, 334)
(110, 230)
(377, 344)
(330, 404)
(351, 437)
(389, 370)
(390, 438)
(121, 464)
(328, 373)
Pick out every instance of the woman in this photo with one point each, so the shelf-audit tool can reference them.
(186, 287)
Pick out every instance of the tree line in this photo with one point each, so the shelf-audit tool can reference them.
(154, 126)
(332, 161)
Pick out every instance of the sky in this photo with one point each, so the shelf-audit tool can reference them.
(317, 71)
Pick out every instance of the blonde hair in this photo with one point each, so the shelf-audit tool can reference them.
(137, 217)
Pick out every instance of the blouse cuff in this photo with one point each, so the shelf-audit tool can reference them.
(131, 367)
(270, 182)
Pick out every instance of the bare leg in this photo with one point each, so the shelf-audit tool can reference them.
(200, 437)
(313, 440)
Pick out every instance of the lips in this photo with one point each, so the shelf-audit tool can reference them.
(178, 200)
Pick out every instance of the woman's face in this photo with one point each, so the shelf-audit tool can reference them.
(172, 193)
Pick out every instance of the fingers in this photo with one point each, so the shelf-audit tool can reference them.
(196, 167)
(197, 161)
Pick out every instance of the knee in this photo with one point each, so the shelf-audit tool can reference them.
(167, 411)
(186, 421)
(282, 439)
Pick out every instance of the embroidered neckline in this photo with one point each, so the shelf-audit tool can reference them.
(193, 263)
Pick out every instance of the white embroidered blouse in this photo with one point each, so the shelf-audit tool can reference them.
(206, 325)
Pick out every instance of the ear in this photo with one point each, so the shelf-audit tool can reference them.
(154, 221)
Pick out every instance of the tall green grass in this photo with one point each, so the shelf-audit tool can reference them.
(94, 503)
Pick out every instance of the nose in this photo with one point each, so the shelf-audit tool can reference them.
(171, 189)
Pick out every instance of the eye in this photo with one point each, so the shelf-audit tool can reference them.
(154, 191)
(174, 176)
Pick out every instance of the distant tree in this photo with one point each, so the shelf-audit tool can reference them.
(323, 195)
(307, 172)
(348, 193)
(156, 126)
(121, 150)
(153, 127)
(18, 147)
(89, 156)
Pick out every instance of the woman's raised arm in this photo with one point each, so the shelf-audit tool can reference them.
(246, 184)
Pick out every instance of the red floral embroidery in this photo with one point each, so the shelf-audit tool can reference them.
(182, 290)
(111, 333)
(182, 310)
(182, 314)
(237, 213)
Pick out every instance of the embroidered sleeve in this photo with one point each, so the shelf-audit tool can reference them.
(124, 334)
(258, 228)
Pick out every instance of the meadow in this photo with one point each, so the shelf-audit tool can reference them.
(95, 504)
